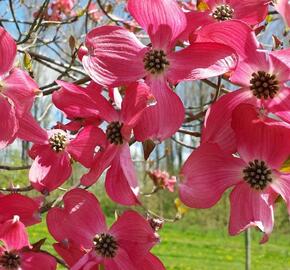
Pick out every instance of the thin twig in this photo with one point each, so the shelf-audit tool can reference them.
(11, 168)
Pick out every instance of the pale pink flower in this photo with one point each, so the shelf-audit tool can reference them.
(109, 48)
(262, 145)
(162, 179)
(80, 227)
(94, 12)
(58, 8)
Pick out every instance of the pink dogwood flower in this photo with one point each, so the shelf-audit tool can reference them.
(71, 254)
(283, 7)
(16, 256)
(16, 204)
(16, 213)
(263, 145)
(162, 179)
(53, 152)
(59, 8)
(109, 47)
(90, 106)
(81, 224)
(251, 12)
(17, 91)
(263, 80)
(94, 12)
(121, 180)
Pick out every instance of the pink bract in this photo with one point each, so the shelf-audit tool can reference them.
(233, 33)
(263, 145)
(109, 47)
(121, 180)
(80, 226)
(54, 151)
(88, 104)
(274, 95)
(25, 208)
(251, 12)
(17, 212)
(19, 256)
(17, 91)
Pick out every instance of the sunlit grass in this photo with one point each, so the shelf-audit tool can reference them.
(186, 247)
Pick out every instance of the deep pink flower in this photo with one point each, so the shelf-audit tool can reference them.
(109, 47)
(251, 12)
(71, 254)
(81, 225)
(121, 180)
(92, 108)
(162, 179)
(283, 7)
(18, 255)
(16, 213)
(263, 145)
(17, 91)
(54, 151)
(25, 208)
(262, 77)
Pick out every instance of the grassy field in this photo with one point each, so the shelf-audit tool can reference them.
(196, 248)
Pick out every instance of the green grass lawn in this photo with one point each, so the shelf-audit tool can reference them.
(195, 248)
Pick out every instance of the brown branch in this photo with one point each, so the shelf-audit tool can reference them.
(14, 189)
(37, 56)
(189, 132)
(14, 19)
(36, 23)
(183, 144)
(11, 168)
(213, 85)
(193, 117)
(60, 261)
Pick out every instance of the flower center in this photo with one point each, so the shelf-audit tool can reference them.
(105, 245)
(223, 13)
(257, 174)
(58, 142)
(114, 134)
(10, 260)
(264, 85)
(155, 61)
